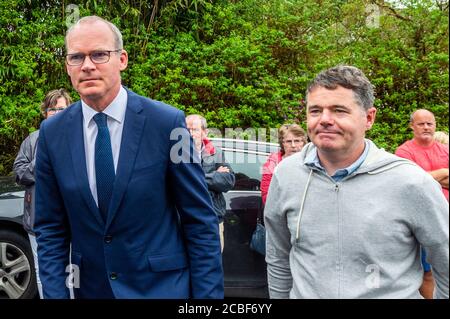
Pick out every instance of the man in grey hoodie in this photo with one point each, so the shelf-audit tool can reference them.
(346, 219)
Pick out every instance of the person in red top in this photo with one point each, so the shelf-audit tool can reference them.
(291, 138)
(423, 150)
(433, 157)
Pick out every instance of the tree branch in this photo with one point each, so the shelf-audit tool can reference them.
(392, 10)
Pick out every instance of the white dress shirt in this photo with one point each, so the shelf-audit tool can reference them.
(115, 117)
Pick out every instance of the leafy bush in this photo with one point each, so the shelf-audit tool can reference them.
(239, 63)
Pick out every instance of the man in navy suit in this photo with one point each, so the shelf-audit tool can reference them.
(119, 195)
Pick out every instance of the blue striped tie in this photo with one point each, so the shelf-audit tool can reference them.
(104, 165)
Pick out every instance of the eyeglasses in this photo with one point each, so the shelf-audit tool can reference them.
(295, 142)
(97, 57)
(55, 109)
(194, 130)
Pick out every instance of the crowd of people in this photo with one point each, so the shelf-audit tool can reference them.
(107, 193)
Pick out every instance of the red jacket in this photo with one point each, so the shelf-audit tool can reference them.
(267, 173)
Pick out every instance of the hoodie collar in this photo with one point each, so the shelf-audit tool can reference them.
(312, 161)
(376, 160)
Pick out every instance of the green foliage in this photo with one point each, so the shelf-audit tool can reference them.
(239, 63)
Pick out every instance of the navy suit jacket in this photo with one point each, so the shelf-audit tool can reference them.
(161, 236)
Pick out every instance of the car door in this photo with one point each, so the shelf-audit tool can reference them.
(245, 269)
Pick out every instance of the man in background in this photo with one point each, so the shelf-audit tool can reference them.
(433, 157)
(218, 173)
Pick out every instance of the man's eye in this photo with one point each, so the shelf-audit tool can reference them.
(99, 54)
(77, 57)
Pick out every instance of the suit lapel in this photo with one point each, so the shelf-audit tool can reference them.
(131, 138)
(75, 141)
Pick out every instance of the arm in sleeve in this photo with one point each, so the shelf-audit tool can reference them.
(24, 163)
(278, 244)
(267, 172)
(51, 226)
(441, 176)
(198, 220)
(217, 181)
(432, 231)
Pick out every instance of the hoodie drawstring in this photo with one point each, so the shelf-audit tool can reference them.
(300, 213)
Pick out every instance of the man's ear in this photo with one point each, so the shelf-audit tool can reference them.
(370, 117)
(67, 69)
(123, 60)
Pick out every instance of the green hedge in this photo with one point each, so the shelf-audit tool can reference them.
(239, 63)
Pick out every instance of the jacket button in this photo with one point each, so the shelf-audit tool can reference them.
(113, 276)
(108, 239)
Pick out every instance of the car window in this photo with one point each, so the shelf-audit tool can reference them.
(8, 184)
(247, 168)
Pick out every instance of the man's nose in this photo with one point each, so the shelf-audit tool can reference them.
(87, 64)
(326, 118)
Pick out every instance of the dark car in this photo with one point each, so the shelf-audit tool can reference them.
(17, 276)
(245, 269)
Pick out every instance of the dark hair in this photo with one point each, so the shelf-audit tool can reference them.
(52, 97)
(348, 77)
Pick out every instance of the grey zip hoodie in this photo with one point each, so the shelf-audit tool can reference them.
(357, 238)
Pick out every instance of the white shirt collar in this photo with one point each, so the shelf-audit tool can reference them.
(115, 110)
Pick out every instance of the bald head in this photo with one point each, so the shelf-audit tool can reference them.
(423, 124)
(420, 113)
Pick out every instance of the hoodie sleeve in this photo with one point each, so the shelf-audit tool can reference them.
(431, 228)
(278, 243)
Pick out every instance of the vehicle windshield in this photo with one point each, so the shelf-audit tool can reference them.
(8, 185)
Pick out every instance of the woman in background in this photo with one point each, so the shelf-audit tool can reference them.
(291, 138)
(54, 102)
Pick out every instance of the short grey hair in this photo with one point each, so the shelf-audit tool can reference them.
(201, 118)
(348, 77)
(118, 42)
